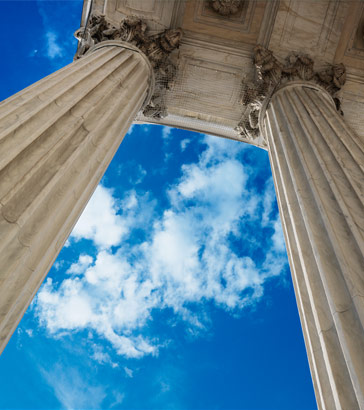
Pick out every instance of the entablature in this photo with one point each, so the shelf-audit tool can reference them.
(214, 61)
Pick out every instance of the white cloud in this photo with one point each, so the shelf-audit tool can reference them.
(139, 175)
(54, 49)
(166, 132)
(70, 308)
(59, 263)
(29, 332)
(135, 172)
(130, 200)
(184, 143)
(128, 372)
(278, 238)
(84, 261)
(119, 398)
(268, 201)
(187, 258)
(101, 356)
(57, 47)
(268, 221)
(100, 221)
(131, 129)
(72, 389)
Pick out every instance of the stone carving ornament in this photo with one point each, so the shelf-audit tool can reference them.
(270, 73)
(156, 47)
(226, 7)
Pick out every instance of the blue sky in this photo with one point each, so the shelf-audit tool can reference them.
(173, 291)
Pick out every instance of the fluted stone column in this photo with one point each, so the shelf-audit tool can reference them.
(57, 138)
(317, 164)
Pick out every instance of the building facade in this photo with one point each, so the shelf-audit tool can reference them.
(286, 76)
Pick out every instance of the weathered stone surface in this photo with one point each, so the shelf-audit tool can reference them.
(217, 46)
(271, 73)
(156, 47)
(57, 138)
(317, 164)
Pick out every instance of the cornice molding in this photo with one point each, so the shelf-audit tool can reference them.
(157, 48)
(270, 74)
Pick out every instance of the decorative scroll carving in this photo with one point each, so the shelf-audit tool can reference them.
(270, 73)
(157, 48)
(226, 7)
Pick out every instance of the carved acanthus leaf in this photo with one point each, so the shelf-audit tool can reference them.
(156, 47)
(270, 73)
(226, 7)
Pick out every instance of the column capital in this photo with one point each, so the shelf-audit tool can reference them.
(271, 74)
(134, 32)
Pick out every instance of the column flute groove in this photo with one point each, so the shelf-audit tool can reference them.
(46, 253)
(352, 142)
(59, 139)
(339, 152)
(318, 370)
(300, 244)
(25, 95)
(349, 252)
(319, 192)
(19, 198)
(49, 113)
(25, 106)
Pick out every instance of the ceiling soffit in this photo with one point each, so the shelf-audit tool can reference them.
(160, 14)
(239, 31)
(215, 55)
(350, 49)
(312, 27)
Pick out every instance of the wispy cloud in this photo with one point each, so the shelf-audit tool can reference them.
(72, 389)
(184, 143)
(189, 256)
(59, 43)
(54, 49)
(101, 356)
(136, 173)
(166, 132)
(128, 372)
(130, 130)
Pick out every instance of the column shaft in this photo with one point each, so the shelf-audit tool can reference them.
(317, 164)
(57, 138)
